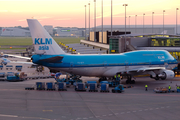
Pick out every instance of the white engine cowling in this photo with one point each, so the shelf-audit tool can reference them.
(168, 74)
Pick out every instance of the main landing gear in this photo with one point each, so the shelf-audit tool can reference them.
(102, 79)
(129, 80)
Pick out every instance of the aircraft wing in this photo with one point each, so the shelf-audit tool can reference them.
(143, 69)
(17, 56)
(30, 63)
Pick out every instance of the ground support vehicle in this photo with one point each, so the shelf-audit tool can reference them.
(118, 89)
(13, 77)
(80, 87)
(2, 76)
(71, 81)
(161, 90)
(68, 84)
(62, 86)
(112, 83)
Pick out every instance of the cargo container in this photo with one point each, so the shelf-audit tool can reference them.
(93, 87)
(50, 86)
(40, 85)
(62, 86)
(80, 87)
(104, 87)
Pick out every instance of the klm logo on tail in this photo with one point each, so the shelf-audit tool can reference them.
(43, 43)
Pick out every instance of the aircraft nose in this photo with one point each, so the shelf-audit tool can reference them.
(32, 59)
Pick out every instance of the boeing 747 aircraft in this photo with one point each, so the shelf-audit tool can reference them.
(157, 63)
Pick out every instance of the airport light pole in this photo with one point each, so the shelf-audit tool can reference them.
(85, 22)
(111, 17)
(152, 22)
(129, 22)
(102, 21)
(143, 21)
(89, 21)
(94, 20)
(125, 26)
(177, 20)
(163, 22)
(135, 22)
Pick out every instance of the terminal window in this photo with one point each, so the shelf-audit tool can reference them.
(165, 42)
(114, 45)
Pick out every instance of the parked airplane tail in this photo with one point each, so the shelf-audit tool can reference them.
(42, 41)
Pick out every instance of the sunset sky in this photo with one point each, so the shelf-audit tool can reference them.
(70, 13)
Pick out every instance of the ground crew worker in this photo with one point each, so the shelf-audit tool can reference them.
(119, 77)
(169, 88)
(115, 77)
(146, 86)
(178, 88)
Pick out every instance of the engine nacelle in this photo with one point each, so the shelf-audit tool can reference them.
(168, 74)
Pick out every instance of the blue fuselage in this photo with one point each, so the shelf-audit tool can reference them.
(92, 63)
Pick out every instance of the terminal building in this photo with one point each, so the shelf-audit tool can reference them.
(58, 31)
(15, 32)
(167, 42)
(157, 29)
(151, 39)
(68, 32)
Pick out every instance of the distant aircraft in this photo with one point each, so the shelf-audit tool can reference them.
(157, 63)
(5, 61)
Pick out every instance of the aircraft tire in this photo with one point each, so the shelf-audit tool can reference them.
(119, 91)
(133, 82)
(127, 82)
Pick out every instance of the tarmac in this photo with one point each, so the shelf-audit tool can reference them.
(134, 104)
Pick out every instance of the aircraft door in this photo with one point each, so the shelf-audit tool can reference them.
(166, 65)
(71, 66)
(105, 64)
(150, 63)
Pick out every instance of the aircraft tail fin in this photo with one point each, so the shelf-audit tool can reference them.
(42, 41)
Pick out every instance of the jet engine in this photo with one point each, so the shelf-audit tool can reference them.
(167, 74)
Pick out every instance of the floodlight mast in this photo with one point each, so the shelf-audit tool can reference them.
(177, 21)
(152, 22)
(95, 21)
(102, 21)
(111, 17)
(89, 21)
(135, 23)
(125, 27)
(163, 22)
(143, 21)
(85, 22)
